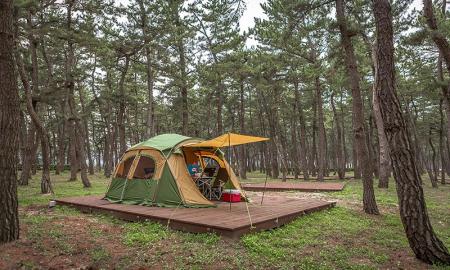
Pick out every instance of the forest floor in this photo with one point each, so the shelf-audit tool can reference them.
(339, 238)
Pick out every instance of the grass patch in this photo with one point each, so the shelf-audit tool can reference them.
(99, 254)
(143, 233)
(339, 238)
(201, 238)
(30, 194)
(312, 230)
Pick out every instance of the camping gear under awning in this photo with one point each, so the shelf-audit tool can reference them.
(228, 139)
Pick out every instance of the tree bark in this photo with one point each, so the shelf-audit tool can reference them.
(413, 211)
(9, 128)
(183, 84)
(26, 162)
(149, 131)
(321, 132)
(339, 143)
(303, 145)
(122, 106)
(46, 186)
(444, 56)
(242, 152)
(383, 153)
(313, 155)
(434, 174)
(370, 205)
(61, 155)
(76, 130)
(86, 133)
(441, 142)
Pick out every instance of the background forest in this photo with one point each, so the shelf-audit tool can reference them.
(104, 76)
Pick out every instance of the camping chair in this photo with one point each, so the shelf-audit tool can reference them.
(211, 191)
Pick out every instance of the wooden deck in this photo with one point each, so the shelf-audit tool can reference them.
(302, 186)
(275, 212)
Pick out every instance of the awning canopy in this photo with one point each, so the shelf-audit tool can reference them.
(228, 139)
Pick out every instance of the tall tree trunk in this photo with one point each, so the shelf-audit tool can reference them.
(339, 143)
(441, 142)
(446, 100)
(9, 128)
(43, 135)
(444, 55)
(434, 173)
(413, 211)
(22, 138)
(242, 152)
(356, 161)
(219, 96)
(86, 133)
(303, 145)
(149, 131)
(46, 186)
(122, 107)
(370, 205)
(61, 146)
(183, 75)
(313, 156)
(72, 153)
(321, 132)
(76, 130)
(383, 153)
(80, 140)
(294, 146)
(74, 164)
(26, 163)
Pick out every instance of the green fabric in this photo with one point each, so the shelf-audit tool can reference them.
(167, 192)
(114, 192)
(163, 142)
(137, 191)
(140, 191)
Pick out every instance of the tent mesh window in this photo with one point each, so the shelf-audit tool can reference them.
(145, 168)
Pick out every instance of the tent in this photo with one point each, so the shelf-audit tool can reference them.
(168, 182)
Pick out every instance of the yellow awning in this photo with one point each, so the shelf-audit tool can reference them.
(228, 139)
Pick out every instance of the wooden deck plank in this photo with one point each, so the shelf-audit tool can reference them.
(297, 186)
(274, 212)
(300, 177)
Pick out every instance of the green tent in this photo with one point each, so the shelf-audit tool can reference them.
(154, 173)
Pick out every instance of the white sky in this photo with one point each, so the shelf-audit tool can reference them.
(254, 10)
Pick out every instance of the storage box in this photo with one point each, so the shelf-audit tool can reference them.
(231, 195)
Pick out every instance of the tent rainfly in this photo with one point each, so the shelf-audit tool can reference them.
(165, 158)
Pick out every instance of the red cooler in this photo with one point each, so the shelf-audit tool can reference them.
(231, 195)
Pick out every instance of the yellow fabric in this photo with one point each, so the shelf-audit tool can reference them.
(229, 139)
(120, 167)
(159, 161)
(189, 155)
(133, 166)
(188, 190)
(233, 178)
(210, 155)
